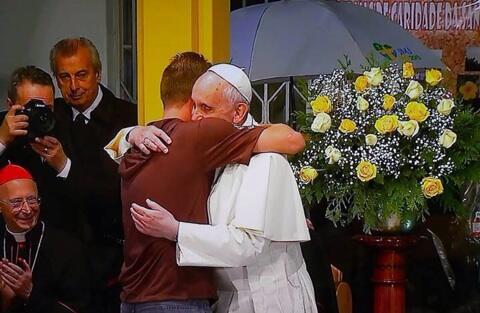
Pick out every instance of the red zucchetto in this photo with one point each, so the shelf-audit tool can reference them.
(12, 172)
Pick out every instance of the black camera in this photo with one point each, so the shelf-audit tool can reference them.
(41, 119)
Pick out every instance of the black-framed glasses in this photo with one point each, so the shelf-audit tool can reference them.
(17, 203)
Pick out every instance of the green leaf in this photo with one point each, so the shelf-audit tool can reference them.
(379, 179)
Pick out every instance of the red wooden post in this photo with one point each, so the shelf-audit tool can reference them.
(389, 275)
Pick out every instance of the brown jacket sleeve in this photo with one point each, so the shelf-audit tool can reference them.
(220, 143)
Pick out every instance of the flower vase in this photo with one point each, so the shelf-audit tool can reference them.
(393, 224)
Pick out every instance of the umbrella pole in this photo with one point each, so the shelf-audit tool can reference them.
(290, 105)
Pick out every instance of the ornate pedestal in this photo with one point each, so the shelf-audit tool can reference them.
(389, 275)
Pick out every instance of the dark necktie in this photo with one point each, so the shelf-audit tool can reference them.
(78, 128)
(79, 122)
(79, 136)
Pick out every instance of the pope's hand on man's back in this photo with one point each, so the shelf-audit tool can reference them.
(149, 138)
(154, 221)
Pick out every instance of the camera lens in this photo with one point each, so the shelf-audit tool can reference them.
(40, 118)
(43, 121)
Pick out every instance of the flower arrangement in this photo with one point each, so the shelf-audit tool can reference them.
(382, 143)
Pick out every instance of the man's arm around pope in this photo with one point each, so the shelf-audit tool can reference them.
(278, 138)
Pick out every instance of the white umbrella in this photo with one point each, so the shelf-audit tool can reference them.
(306, 37)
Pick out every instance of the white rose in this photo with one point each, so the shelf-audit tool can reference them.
(362, 104)
(408, 128)
(371, 139)
(332, 154)
(414, 89)
(445, 106)
(374, 76)
(321, 123)
(447, 138)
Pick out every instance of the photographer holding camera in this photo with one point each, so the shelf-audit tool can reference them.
(29, 137)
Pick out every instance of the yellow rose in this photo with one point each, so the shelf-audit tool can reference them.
(321, 123)
(433, 77)
(408, 128)
(332, 154)
(308, 174)
(366, 171)
(414, 89)
(362, 104)
(445, 106)
(447, 138)
(408, 70)
(431, 187)
(469, 90)
(386, 124)
(361, 83)
(388, 102)
(417, 111)
(374, 76)
(321, 104)
(371, 139)
(347, 126)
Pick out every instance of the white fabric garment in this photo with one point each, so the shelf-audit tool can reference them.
(19, 237)
(257, 223)
(118, 146)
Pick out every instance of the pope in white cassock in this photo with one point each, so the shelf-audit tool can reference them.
(257, 222)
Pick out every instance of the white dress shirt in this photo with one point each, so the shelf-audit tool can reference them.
(88, 112)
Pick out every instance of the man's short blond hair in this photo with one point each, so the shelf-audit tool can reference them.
(180, 76)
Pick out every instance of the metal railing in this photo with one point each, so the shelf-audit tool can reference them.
(266, 100)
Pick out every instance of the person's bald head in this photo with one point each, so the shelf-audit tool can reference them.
(214, 95)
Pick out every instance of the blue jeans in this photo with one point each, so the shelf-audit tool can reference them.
(174, 306)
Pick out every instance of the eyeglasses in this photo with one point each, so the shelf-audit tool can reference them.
(17, 203)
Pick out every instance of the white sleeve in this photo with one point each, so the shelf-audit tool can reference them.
(217, 245)
(119, 145)
(66, 169)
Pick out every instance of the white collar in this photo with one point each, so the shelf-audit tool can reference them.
(250, 121)
(92, 107)
(19, 237)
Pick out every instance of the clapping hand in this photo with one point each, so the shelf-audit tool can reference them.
(18, 278)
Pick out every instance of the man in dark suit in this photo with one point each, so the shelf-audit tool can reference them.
(43, 156)
(91, 115)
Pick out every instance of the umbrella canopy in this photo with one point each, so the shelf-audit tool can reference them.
(307, 37)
